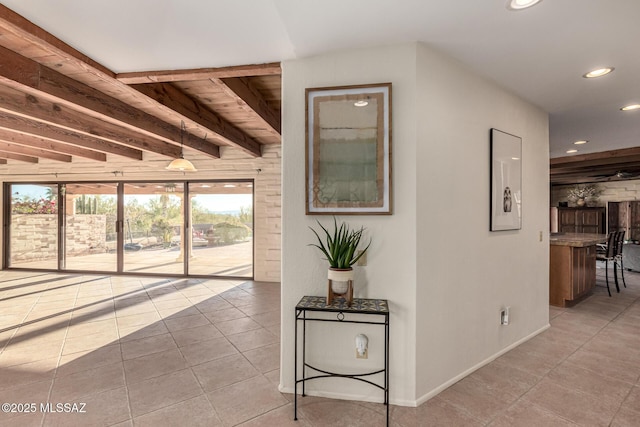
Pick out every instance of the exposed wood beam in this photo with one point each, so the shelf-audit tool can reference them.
(50, 145)
(590, 170)
(33, 35)
(3, 161)
(594, 167)
(176, 100)
(167, 76)
(249, 99)
(602, 155)
(29, 76)
(34, 106)
(19, 157)
(34, 152)
(595, 173)
(20, 124)
(598, 163)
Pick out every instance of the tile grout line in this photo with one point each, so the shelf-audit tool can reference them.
(182, 355)
(519, 398)
(635, 301)
(64, 341)
(190, 368)
(21, 322)
(575, 351)
(124, 371)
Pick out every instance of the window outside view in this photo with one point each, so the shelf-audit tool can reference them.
(153, 233)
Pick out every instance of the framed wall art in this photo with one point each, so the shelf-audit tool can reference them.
(506, 181)
(348, 151)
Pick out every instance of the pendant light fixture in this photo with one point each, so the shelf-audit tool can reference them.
(181, 164)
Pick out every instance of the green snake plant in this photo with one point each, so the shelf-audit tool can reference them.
(340, 246)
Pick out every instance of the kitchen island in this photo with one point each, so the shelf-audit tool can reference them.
(572, 266)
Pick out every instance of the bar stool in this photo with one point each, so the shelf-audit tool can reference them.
(619, 247)
(609, 255)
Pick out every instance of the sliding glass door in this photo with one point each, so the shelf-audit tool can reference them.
(154, 228)
(90, 234)
(222, 228)
(33, 226)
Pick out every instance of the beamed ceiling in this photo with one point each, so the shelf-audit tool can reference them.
(613, 165)
(58, 104)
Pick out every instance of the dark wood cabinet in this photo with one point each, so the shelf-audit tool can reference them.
(625, 216)
(579, 220)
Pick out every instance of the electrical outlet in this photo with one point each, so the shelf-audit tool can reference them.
(362, 356)
(363, 259)
(504, 316)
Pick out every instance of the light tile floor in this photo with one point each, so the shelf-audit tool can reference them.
(162, 352)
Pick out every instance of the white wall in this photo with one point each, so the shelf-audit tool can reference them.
(465, 272)
(233, 164)
(444, 274)
(390, 273)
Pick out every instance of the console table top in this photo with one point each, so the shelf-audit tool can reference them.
(359, 305)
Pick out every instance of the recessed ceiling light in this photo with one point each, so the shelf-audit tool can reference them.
(572, 151)
(515, 158)
(361, 103)
(631, 107)
(521, 4)
(598, 73)
(581, 142)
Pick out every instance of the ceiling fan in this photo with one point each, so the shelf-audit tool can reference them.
(619, 175)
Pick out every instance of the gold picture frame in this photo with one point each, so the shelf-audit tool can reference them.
(348, 151)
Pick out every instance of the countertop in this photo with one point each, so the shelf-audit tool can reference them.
(579, 240)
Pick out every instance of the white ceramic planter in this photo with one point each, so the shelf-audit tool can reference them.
(340, 279)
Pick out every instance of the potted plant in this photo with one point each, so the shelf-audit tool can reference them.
(340, 248)
(581, 193)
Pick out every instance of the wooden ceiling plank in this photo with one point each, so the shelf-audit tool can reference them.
(250, 99)
(595, 167)
(33, 106)
(88, 72)
(602, 155)
(587, 170)
(33, 35)
(168, 76)
(597, 162)
(19, 157)
(50, 145)
(176, 100)
(32, 127)
(35, 152)
(29, 76)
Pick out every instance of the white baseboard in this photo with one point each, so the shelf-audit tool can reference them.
(342, 396)
(425, 397)
(469, 371)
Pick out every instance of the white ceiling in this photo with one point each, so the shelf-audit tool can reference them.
(538, 53)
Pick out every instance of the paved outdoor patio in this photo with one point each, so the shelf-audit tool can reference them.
(226, 260)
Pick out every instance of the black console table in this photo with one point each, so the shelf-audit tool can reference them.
(305, 311)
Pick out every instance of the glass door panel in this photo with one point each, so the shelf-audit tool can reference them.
(33, 226)
(222, 228)
(91, 211)
(153, 228)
